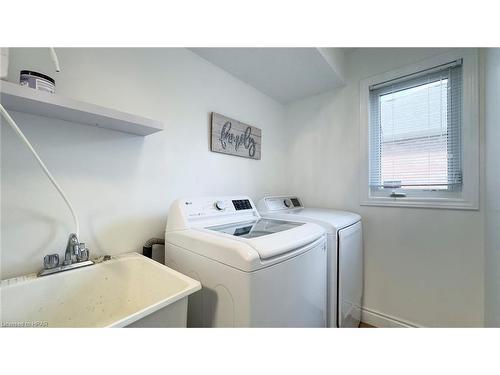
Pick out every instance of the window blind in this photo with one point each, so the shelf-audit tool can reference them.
(415, 131)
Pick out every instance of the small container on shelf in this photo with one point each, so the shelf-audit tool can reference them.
(37, 81)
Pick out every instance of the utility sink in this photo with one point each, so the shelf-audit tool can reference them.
(127, 290)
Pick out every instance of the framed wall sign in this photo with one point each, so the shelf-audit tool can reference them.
(233, 137)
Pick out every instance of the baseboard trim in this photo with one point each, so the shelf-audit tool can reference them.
(378, 319)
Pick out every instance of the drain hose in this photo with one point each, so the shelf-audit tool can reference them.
(147, 249)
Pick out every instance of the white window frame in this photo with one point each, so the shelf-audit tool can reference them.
(468, 197)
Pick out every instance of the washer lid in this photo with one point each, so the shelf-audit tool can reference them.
(257, 228)
(269, 237)
(287, 241)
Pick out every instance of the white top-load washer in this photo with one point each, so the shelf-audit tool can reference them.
(254, 272)
(345, 253)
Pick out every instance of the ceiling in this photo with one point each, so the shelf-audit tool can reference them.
(284, 74)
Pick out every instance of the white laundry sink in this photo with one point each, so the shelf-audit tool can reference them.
(128, 290)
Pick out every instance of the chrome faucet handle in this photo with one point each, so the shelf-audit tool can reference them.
(76, 250)
(83, 253)
(72, 249)
(50, 261)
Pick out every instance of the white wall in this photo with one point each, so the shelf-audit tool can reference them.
(492, 133)
(122, 185)
(422, 266)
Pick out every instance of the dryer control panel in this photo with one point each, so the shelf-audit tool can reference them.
(279, 203)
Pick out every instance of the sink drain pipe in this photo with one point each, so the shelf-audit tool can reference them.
(147, 249)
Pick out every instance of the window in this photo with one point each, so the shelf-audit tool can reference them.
(415, 130)
(415, 120)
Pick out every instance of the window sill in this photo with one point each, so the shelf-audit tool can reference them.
(439, 203)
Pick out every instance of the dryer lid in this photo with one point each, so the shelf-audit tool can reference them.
(332, 218)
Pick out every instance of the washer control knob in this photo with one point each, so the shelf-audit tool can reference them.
(287, 203)
(220, 205)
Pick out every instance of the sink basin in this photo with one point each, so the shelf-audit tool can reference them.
(128, 290)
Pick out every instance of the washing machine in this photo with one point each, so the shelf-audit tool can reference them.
(345, 253)
(254, 271)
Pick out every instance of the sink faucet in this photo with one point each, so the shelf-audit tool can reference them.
(75, 248)
(76, 256)
(72, 248)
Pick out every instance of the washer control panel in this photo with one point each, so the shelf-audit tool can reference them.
(242, 204)
(217, 206)
(220, 205)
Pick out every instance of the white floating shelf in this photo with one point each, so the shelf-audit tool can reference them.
(24, 99)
